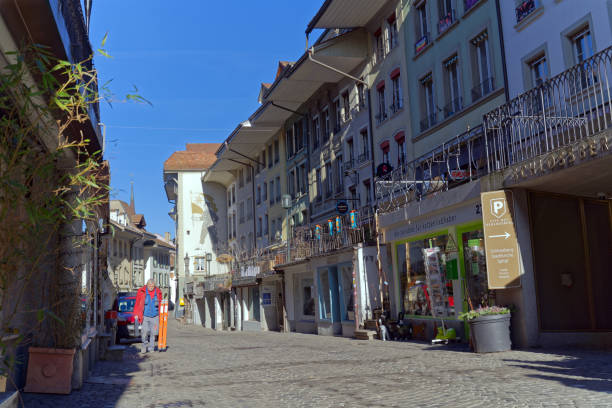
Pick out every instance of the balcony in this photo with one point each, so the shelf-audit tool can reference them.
(308, 241)
(453, 107)
(421, 44)
(558, 116)
(363, 157)
(428, 121)
(468, 4)
(525, 9)
(484, 88)
(446, 21)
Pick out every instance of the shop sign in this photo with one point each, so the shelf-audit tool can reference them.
(501, 244)
(457, 216)
(561, 158)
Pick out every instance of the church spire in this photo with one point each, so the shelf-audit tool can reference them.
(132, 207)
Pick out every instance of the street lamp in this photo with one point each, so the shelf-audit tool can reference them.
(186, 259)
(286, 203)
(208, 259)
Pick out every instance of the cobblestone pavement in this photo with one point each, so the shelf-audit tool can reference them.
(203, 368)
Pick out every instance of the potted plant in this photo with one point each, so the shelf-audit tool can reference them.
(489, 328)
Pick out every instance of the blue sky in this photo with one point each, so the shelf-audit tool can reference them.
(200, 63)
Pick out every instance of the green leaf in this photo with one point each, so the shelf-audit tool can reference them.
(104, 53)
(55, 317)
(40, 315)
(105, 38)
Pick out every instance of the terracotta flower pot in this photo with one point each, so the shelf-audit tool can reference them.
(50, 370)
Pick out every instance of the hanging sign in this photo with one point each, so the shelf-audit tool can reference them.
(501, 244)
(342, 207)
(338, 224)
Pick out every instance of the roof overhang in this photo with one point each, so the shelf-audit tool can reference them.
(344, 53)
(345, 14)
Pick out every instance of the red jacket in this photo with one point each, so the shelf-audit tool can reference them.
(140, 301)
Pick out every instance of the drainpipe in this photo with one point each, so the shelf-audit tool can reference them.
(503, 50)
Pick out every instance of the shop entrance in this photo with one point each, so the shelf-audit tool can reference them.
(572, 248)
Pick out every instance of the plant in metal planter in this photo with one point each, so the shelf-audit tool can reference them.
(489, 328)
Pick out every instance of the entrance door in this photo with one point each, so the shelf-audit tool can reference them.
(572, 258)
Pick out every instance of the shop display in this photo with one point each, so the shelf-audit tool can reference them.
(476, 268)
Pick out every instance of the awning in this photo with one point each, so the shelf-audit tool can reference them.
(345, 14)
(344, 52)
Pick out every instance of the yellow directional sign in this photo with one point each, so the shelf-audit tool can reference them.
(501, 244)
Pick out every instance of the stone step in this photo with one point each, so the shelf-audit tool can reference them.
(114, 353)
(365, 334)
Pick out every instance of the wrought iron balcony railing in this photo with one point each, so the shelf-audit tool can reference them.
(524, 9)
(453, 107)
(428, 121)
(363, 157)
(338, 233)
(563, 110)
(484, 88)
(349, 165)
(446, 21)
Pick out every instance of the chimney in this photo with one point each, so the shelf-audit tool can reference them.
(167, 237)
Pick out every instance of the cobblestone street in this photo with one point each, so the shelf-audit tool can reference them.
(247, 369)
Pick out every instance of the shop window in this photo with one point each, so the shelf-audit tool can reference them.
(415, 258)
(324, 295)
(308, 306)
(475, 265)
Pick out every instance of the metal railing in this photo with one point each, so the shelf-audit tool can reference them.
(428, 121)
(446, 21)
(349, 165)
(482, 89)
(524, 9)
(431, 173)
(563, 110)
(453, 107)
(315, 240)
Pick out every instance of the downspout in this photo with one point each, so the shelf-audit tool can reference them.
(503, 50)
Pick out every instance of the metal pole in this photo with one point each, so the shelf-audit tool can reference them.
(380, 276)
(288, 237)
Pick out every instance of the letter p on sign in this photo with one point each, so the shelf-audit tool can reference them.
(498, 207)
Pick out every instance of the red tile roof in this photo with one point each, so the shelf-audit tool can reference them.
(197, 156)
